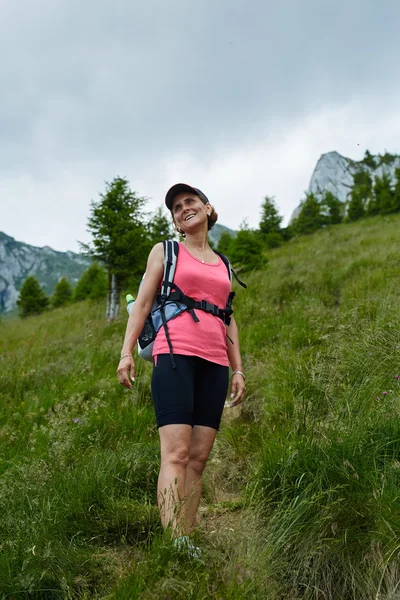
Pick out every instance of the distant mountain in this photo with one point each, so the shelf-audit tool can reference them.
(19, 260)
(216, 232)
(335, 173)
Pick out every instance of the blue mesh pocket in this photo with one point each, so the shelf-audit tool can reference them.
(171, 309)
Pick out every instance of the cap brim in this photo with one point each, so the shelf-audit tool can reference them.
(178, 188)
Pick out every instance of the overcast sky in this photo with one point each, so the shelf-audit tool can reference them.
(237, 98)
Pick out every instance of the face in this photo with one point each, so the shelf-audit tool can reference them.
(188, 210)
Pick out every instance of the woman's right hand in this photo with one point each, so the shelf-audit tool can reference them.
(126, 370)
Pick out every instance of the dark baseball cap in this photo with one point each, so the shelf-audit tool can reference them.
(180, 188)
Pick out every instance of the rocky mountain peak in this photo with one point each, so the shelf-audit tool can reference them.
(335, 173)
(19, 260)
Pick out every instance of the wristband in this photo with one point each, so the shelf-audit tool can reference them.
(125, 356)
(239, 373)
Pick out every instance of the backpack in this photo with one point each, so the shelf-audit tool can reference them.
(170, 302)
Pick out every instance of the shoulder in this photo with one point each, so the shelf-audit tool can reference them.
(156, 256)
(157, 250)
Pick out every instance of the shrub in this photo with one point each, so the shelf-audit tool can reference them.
(247, 250)
(92, 285)
(32, 298)
(62, 294)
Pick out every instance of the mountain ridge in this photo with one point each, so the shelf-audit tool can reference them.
(18, 260)
(335, 173)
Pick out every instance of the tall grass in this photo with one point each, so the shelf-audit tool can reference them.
(301, 494)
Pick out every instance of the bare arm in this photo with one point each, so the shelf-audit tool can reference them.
(238, 386)
(140, 312)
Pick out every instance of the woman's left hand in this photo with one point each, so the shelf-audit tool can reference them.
(238, 388)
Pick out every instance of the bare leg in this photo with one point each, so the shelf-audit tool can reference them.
(175, 444)
(200, 447)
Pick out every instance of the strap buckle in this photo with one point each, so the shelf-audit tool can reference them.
(208, 307)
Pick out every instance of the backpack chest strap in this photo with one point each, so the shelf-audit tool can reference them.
(223, 313)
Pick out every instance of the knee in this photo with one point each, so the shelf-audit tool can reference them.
(177, 456)
(198, 460)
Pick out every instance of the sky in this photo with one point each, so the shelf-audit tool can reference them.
(239, 99)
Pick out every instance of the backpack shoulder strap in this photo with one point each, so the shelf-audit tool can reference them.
(171, 251)
(225, 259)
(229, 267)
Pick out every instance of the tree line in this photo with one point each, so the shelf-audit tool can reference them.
(123, 234)
(368, 196)
(33, 300)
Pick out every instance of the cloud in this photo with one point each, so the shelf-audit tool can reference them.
(241, 98)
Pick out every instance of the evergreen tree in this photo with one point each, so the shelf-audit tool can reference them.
(310, 217)
(92, 284)
(225, 243)
(120, 237)
(333, 207)
(32, 299)
(160, 227)
(356, 206)
(62, 294)
(383, 194)
(362, 180)
(396, 192)
(361, 197)
(387, 159)
(369, 160)
(247, 249)
(270, 219)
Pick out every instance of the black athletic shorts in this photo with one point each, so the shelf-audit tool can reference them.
(193, 393)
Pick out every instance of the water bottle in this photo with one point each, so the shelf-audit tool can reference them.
(130, 302)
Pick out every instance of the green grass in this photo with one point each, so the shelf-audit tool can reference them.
(301, 497)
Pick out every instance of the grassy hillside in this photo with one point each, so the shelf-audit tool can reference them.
(302, 491)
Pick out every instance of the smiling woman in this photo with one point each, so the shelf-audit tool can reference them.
(181, 195)
(189, 391)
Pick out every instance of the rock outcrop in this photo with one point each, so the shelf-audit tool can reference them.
(335, 173)
(19, 260)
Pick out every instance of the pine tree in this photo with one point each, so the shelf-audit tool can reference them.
(32, 299)
(62, 294)
(334, 208)
(92, 284)
(387, 159)
(120, 238)
(361, 197)
(369, 160)
(356, 206)
(310, 217)
(270, 219)
(160, 227)
(383, 194)
(396, 192)
(246, 249)
(225, 243)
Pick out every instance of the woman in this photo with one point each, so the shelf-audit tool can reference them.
(188, 396)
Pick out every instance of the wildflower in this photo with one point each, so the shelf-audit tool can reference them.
(76, 420)
(397, 377)
(384, 393)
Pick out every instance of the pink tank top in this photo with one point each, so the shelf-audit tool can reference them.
(207, 338)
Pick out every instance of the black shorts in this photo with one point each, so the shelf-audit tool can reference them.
(193, 393)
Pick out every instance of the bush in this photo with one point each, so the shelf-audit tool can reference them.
(273, 239)
(62, 294)
(310, 218)
(225, 243)
(32, 298)
(92, 285)
(247, 250)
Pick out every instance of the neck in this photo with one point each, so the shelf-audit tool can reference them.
(198, 240)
